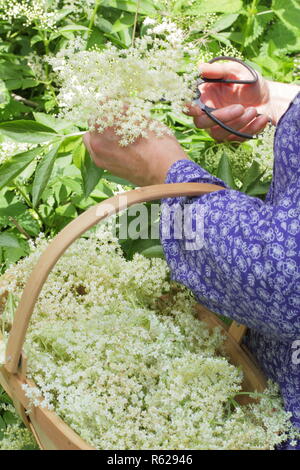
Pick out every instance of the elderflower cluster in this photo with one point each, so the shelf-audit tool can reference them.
(8, 148)
(117, 87)
(15, 436)
(42, 12)
(119, 354)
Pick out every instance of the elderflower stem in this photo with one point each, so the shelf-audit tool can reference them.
(92, 20)
(29, 203)
(135, 22)
(48, 81)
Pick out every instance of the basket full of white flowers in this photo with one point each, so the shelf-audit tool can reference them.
(111, 360)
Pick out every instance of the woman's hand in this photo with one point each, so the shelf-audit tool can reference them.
(145, 162)
(238, 105)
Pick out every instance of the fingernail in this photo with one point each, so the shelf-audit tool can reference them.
(250, 112)
(237, 108)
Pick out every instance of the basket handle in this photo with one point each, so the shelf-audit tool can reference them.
(71, 233)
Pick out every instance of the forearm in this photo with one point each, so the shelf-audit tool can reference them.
(280, 96)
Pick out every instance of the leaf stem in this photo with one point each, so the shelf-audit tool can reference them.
(19, 227)
(135, 22)
(92, 20)
(29, 203)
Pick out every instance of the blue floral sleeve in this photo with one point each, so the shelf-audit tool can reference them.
(246, 267)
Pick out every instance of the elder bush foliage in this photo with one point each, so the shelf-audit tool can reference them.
(46, 176)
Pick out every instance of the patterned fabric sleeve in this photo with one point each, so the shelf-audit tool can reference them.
(246, 265)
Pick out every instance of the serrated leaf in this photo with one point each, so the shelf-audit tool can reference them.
(144, 7)
(27, 131)
(284, 38)
(288, 12)
(252, 175)
(43, 173)
(224, 171)
(96, 37)
(9, 240)
(90, 173)
(29, 224)
(258, 26)
(15, 165)
(215, 6)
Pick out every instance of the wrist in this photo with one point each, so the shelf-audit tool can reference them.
(160, 176)
(167, 156)
(280, 96)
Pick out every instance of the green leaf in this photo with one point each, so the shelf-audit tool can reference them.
(285, 39)
(29, 224)
(115, 179)
(70, 143)
(259, 23)
(65, 30)
(90, 173)
(155, 251)
(96, 38)
(103, 25)
(73, 27)
(260, 188)
(29, 83)
(15, 165)
(4, 95)
(213, 6)
(43, 173)
(72, 184)
(145, 7)
(12, 255)
(10, 418)
(13, 83)
(4, 398)
(288, 12)
(27, 131)
(2, 424)
(124, 22)
(224, 171)
(68, 210)
(14, 209)
(224, 22)
(252, 175)
(46, 120)
(53, 122)
(9, 240)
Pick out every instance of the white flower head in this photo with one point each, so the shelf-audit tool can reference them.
(121, 88)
